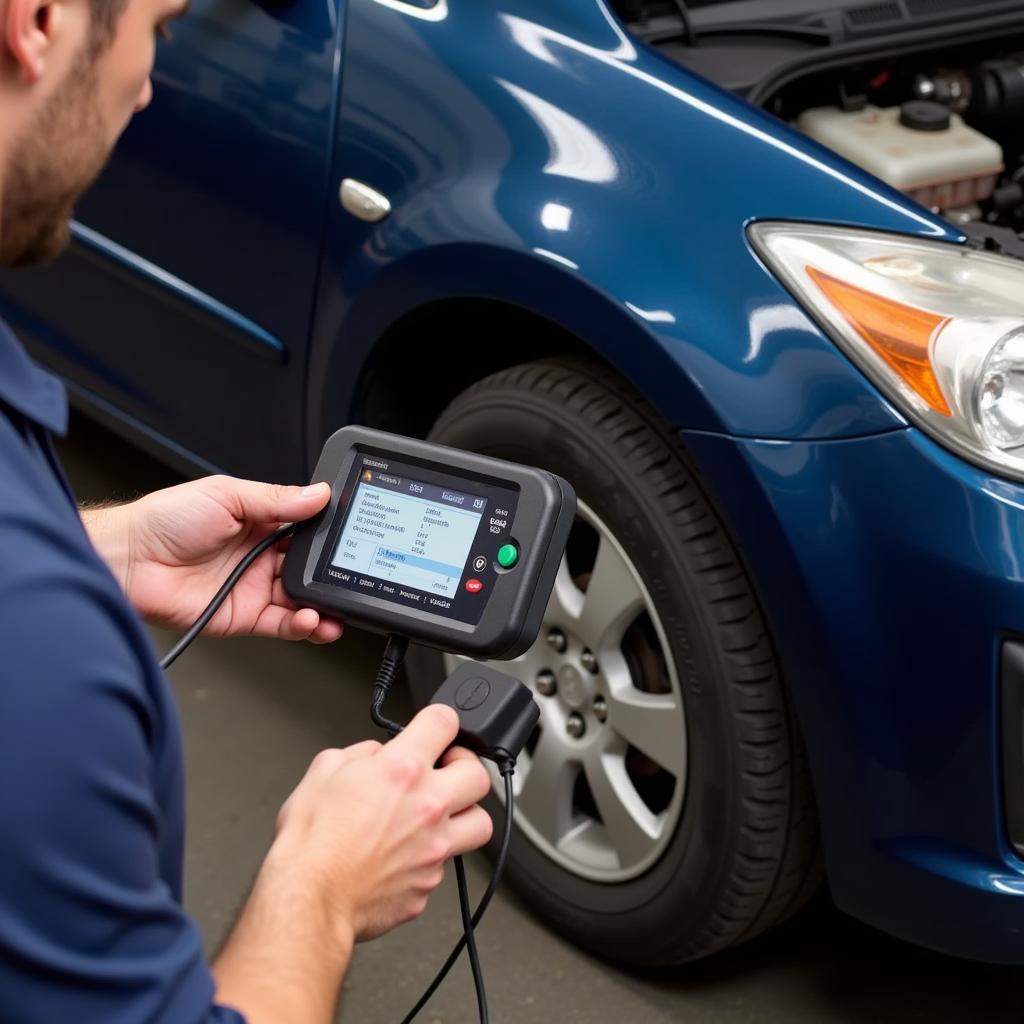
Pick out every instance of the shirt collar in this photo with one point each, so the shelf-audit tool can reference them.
(28, 388)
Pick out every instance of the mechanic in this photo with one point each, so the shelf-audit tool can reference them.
(91, 797)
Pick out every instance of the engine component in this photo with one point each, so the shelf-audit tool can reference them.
(998, 89)
(990, 91)
(925, 116)
(922, 149)
(952, 89)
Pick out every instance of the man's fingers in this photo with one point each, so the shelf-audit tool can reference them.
(466, 782)
(250, 500)
(458, 753)
(282, 620)
(304, 622)
(285, 624)
(428, 735)
(327, 631)
(280, 596)
(469, 830)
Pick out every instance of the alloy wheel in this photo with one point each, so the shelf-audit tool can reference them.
(600, 786)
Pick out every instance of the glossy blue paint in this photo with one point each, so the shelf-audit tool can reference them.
(166, 280)
(536, 156)
(585, 177)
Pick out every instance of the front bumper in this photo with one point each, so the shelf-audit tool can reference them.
(892, 575)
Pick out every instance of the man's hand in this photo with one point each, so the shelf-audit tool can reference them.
(361, 843)
(171, 551)
(376, 824)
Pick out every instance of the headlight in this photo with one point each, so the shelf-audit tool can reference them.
(939, 329)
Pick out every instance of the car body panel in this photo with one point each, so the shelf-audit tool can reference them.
(553, 151)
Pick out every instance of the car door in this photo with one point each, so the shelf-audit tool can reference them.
(182, 307)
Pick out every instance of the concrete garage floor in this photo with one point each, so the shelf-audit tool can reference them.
(255, 712)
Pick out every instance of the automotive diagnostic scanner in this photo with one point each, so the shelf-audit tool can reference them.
(451, 549)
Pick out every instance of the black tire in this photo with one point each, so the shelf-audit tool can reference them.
(745, 853)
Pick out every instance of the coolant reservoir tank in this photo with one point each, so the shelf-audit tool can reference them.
(921, 149)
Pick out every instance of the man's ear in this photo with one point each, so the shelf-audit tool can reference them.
(30, 28)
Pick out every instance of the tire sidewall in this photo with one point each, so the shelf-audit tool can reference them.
(687, 880)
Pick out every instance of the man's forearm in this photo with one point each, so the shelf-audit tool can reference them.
(287, 954)
(109, 529)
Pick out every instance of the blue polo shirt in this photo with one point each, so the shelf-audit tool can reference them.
(91, 772)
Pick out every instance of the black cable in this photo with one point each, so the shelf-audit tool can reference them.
(394, 652)
(506, 768)
(211, 609)
(470, 937)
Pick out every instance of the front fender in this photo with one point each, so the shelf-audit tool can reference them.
(541, 157)
(546, 287)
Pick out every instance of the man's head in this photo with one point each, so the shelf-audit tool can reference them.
(72, 73)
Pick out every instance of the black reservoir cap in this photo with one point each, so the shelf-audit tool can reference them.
(925, 116)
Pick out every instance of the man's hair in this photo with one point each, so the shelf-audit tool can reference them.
(105, 14)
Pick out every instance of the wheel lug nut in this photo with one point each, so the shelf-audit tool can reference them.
(545, 683)
(589, 660)
(600, 709)
(557, 641)
(575, 726)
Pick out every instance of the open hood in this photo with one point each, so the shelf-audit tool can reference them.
(809, 21)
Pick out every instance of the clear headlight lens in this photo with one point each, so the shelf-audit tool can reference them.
(1002, 392)
(938, 328)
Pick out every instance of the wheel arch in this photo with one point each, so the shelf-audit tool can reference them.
(466, 311)
(391, 398)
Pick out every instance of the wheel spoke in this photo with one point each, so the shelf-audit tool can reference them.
(652, 723)
(544, 798)
(566, 600)
(525, 667)
(612, 599)
(632, 828)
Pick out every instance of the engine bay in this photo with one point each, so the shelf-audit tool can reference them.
(944, 127)
(934, 110)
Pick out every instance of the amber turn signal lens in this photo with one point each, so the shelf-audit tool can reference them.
(899, 334)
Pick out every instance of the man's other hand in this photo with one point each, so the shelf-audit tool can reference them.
(172, 550)
(361, 843)
(374, 825)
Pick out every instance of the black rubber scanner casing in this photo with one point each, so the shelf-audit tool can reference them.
(510, 621)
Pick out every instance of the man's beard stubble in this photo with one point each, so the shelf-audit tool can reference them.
(50, 167)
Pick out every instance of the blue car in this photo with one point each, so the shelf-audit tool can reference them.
(747, 272)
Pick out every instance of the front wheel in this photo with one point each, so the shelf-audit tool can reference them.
(663, 810)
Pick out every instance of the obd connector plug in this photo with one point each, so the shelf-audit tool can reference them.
(497, 713)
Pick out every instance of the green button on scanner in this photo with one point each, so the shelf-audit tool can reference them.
(508, 555)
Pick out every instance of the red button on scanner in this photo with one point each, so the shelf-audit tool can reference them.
(474, 586)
